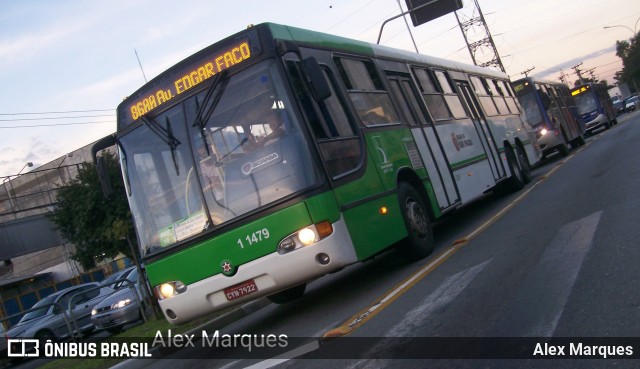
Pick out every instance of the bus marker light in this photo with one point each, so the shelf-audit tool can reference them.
(324, 229)
(383, 210)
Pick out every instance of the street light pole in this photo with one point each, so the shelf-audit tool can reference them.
(634, 33)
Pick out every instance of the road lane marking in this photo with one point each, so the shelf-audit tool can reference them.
(292, 354)
(373, 309)
(369, 312)
(540, 299)
(450, 288)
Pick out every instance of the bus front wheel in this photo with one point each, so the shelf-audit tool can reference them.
(419, 242)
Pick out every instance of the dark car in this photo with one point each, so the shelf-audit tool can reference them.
(48, 322)
(619, 106)
(122, 307)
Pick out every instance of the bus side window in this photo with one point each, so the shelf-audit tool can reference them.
(498, 98)
(331, 125)
(366, 91)
(484, 92)
(432, 95)
(510, 98)
(450, 95)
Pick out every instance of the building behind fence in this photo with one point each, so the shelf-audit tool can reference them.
(35, 260)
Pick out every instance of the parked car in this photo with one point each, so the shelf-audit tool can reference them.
(619, 106)
(48, 321)
(121, 274)
(3, 340)
(632, 103)
(121, 308)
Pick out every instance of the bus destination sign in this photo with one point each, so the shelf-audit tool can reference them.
(188, 78)
(580, 90)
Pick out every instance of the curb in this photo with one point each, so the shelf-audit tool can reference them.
(214, 324)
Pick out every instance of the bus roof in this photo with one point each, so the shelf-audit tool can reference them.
(158, 90)
(539, 80)
(323, 40)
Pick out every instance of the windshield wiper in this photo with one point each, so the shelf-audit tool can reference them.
(201, 116)
(166, 135)
(220, 162)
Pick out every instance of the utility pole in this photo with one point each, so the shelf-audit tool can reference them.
(526, 72)
(593, 75)
(563, 77)
(485, 39)
(575, 67)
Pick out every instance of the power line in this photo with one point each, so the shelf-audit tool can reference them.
(59, 112)
(58, 124)
(51, 118)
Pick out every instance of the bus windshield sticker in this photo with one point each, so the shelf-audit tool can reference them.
(183, 229)
(250, 167)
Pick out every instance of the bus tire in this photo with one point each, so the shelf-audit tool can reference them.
(419, 241)
(516, 180)
(288, 295)
(523, 162)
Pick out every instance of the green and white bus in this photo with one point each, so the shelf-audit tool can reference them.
(279, 155)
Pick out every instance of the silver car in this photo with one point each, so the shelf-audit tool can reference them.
(110, 281)
(632, 103)
(122, 307)
(48, 322)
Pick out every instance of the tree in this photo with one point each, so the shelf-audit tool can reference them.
(629, 52)
(98, 226)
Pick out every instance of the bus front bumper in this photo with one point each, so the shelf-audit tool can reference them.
(598, 122)
(270, 274)
(549, 142)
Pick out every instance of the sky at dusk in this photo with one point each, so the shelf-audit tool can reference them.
(65, 65)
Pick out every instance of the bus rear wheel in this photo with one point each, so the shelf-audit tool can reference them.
(419, 242)
(516, 180)
(525, 166)
(288, 295)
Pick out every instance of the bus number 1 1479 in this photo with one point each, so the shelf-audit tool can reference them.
(253, 238)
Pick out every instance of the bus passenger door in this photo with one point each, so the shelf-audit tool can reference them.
(430, 148)
(488, 143)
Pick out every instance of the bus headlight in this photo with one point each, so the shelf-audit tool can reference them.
(305, 237)
(543, 132)
(170, 289)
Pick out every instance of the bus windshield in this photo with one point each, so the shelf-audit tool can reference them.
(531, 109)
(214, 157)
(586, 103)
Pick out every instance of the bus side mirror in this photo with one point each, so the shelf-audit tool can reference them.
(319, 86)
(101, 167)
(103, 177)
